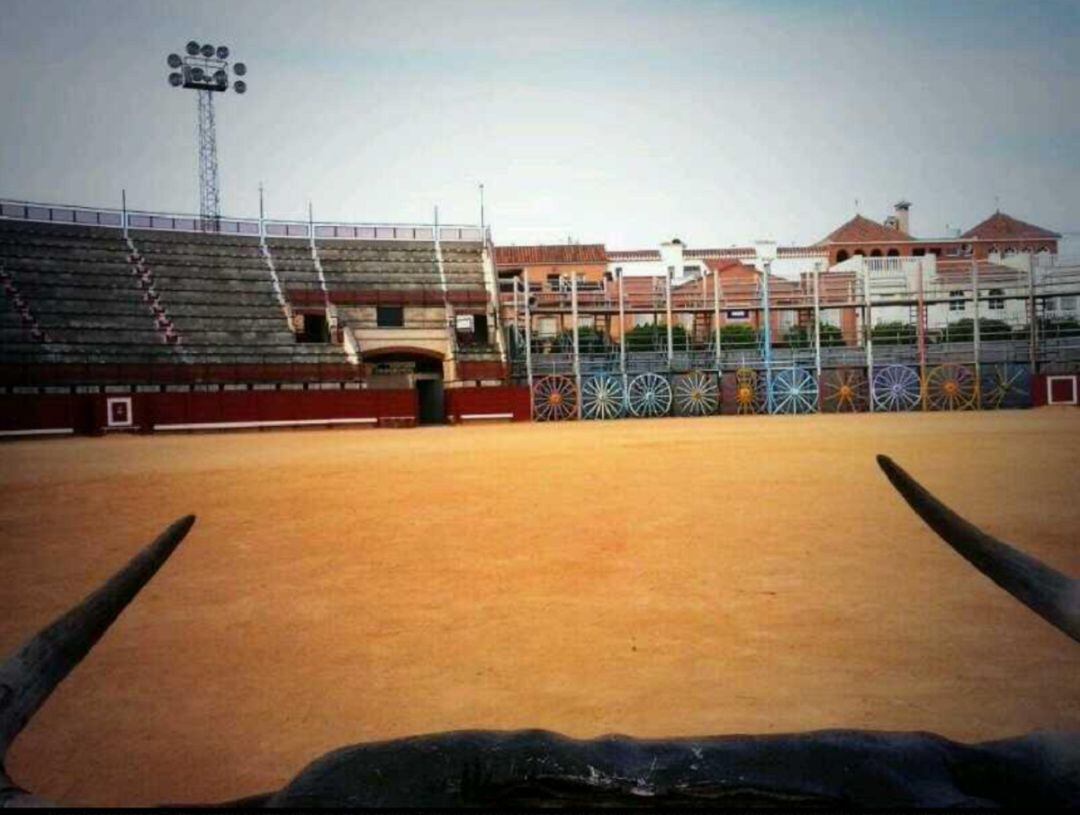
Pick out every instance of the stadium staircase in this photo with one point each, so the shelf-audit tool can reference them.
(145, 277)
(286, 309)
(17, 319)
(76, 284)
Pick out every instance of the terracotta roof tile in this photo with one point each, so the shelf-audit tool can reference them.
(550, 254)
(1000, 226)
(634, 254)
(863, 230)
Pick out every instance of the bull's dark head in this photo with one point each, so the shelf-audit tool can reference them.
(523, 768)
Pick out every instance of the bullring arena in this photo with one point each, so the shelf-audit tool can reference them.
(658, 577)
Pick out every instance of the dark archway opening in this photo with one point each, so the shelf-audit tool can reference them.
(402, 368)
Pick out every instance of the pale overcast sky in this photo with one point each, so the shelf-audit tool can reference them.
(625, 123)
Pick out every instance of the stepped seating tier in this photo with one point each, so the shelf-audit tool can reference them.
(377, 269)
(98, 303)
(294, 263)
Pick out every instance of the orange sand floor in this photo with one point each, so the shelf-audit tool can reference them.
(655, 578)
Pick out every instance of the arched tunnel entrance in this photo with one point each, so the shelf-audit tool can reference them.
(410, 368)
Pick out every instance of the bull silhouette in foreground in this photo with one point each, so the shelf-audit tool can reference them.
(538, 768)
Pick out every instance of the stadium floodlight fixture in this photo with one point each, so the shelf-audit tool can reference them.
(205, 69)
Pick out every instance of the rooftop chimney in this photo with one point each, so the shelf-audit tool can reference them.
(901, 208)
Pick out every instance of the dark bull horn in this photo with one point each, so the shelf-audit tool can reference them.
(29, 675)
(1046, 591)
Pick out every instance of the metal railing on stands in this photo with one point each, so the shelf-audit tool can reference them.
(254, 227)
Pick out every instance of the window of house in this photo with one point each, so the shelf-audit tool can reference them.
(919, 252)
(894, 253)
(841, 256)
(1067, 303)
(738, 314)
(997, 299)
(956, 304)
(389, 316)
(554, 282)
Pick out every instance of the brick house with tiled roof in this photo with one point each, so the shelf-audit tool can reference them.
(551, 266)
(1004, 228)
(998, 234)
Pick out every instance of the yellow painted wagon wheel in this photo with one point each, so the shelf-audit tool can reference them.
(951, 387)
(748, 396)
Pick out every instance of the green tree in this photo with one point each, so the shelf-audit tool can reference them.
(896, 333)
(964, 330)
(738, 335)
(1060, 327)
(799, 336)
(590, 341)
(653, 337)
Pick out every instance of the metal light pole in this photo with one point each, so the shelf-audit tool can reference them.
(205, 69)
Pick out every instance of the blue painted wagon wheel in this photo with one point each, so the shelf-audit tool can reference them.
(794, 391)
(950, 387)
(602, 398)
(554, 398)
(896, 388)
(649, 395)
(844, 390)
(696, 394)
(1007, 385)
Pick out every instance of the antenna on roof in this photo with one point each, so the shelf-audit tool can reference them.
(856, 206)
(997, 203)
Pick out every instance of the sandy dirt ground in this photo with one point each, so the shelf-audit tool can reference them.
(653, 578)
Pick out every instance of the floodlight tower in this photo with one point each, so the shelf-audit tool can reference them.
(205, 69)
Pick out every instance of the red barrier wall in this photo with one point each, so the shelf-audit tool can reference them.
(37, 412)
(86, 413)
(463, 401)
(1063, 389)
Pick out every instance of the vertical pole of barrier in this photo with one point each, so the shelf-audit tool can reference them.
(766, 344)
(577, 349)
(1033, 326)
(528, 345)
(670, 327)
(517, 316)
(716, 320)
(920, 331)
(868, 331)
(976, 336)
(622, 331)
(817, 329)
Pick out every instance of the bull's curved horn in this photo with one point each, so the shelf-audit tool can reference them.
(1050, 594)
(28, 676)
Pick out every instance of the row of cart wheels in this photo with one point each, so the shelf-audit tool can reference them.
(894, 388)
